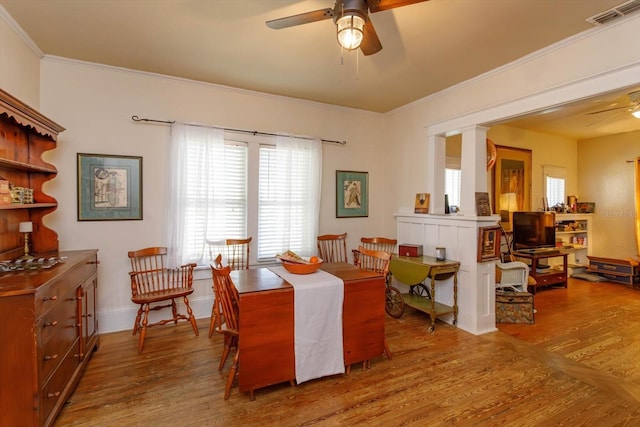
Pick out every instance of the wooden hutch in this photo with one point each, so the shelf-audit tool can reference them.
(48, 317)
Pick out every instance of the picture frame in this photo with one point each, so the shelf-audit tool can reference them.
(483, 206)
(109, 187)
(511, 174)
(422, 203)
(489, 243)
(586, 207)
(352, 194)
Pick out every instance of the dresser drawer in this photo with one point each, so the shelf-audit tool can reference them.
(550, 279)
(46, 296)
(53, 390)
(57, 330)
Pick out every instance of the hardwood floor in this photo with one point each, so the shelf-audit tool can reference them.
(577, 365)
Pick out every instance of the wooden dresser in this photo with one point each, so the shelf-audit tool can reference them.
(48, 331)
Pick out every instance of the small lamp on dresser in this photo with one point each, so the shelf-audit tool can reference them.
(26, 228)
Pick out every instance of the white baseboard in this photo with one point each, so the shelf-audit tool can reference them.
(121, 319)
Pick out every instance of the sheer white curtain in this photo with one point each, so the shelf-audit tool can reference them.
(289, 196)
(193, 197)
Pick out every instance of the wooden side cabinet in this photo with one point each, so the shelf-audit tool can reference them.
(48, 331)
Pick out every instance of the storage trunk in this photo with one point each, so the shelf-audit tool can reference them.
(514, 307)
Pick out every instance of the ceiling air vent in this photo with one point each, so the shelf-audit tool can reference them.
(616, 12)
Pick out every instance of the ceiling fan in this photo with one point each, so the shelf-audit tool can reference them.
(633, 107)
(351, 18)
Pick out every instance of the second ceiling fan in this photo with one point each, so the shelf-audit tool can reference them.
(355, 29)
(633, 107)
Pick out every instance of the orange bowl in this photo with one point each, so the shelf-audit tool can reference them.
(297, 268)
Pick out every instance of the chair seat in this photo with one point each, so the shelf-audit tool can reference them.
(161, 295)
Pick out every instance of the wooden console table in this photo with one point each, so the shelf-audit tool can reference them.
(414, 270)
(547, 276)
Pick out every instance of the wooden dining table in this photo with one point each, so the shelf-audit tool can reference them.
(266, 341)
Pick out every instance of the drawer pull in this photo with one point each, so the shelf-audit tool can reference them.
(53, 298)
(52, 357)
(54, 323)
(52, 395)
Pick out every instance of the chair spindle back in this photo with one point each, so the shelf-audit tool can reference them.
(333, 247)
(373, 260)
(234, 251)
(150, 274)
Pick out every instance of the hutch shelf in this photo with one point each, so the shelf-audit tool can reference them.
(25, 135)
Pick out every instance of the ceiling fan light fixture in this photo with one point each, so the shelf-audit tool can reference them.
(350, 31)
(636, 113)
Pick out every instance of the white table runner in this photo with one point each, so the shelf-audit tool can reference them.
(318, 301)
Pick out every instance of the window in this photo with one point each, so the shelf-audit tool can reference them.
(216, 194)
(554, 184)
(452, 185)
(288, 198)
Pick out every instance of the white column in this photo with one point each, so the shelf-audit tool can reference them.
(436, 151)
(473, 167)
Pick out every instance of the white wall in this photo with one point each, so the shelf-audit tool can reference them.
(607, 178)
(19, 63)
(95, 104)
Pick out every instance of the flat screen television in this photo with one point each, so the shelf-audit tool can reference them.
(534, 230)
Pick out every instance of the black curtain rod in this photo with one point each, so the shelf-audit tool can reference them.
(249, 132)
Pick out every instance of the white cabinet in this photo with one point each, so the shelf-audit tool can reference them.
(573, 234)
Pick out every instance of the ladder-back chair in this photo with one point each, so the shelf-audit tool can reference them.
(376, 244)
(154, 286)
(332, 247)
(377, 261)
(236, 253)
(229, 301)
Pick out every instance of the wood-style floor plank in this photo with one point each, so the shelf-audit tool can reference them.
(577, 365)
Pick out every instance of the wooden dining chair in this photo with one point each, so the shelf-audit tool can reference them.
(229, 301)
(376, 244)
(216, 311)
(154, 287)
(236, 253)
(332, 247)
(378, 261)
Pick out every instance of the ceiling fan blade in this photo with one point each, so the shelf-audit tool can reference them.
(380, 5)
(604, 118)
(608, 109)
(370, 41)
(302, 18)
